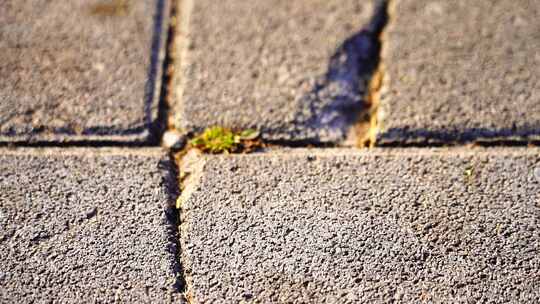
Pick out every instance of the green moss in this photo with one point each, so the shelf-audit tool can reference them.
(222, 140)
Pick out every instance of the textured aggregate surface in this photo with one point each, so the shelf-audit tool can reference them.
(440, 226)
(80, 70)
(461, 71)
(298, 73)
(85, 227)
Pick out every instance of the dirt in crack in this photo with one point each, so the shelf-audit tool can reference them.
(340, 103)
(173, 221)
(364, 132)
(164, 124)
(190, 164)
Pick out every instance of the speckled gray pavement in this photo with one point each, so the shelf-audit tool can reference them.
(80, 70)
(461, 71)
(86, 226)
(297, 74)
(344, 226)
(284, 225)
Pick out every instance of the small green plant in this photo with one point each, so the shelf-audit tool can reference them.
(222, 140)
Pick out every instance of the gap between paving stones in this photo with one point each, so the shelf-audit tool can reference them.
(173, 217)
(187, 183)
(484, 144)
(369, 70)
(377, 82)
(158, 73)
(170, 139)
(166, 101)
(365, 129)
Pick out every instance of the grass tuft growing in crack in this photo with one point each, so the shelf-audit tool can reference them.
(222, 140)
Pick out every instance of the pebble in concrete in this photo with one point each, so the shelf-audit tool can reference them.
(294, 70)
(80, 70)
(461, 71)
(441, 226)
(85, 226)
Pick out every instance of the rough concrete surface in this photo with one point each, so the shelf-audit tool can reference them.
(86, 227)
(461, 71)
(80, 70)
(295, 70)
(411, 226)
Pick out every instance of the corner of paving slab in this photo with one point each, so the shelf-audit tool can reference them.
(442, 90)
(446, 165)
(100, 165)
(88, 75)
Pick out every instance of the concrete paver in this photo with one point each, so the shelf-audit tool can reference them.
(461, 71)
(295, 70)
(80, 70)
(85, 226)
(442, 226)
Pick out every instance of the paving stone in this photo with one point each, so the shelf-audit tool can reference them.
(80, 70)
(85, 226)
(295, 70)
(461, 71)
(440, 226)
